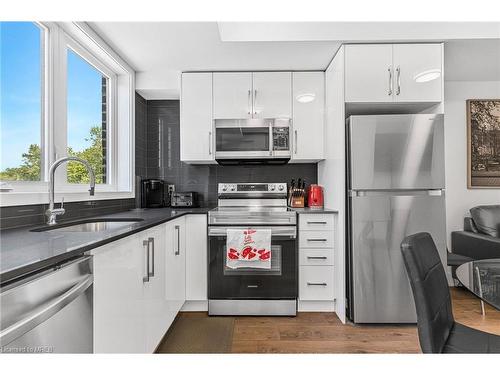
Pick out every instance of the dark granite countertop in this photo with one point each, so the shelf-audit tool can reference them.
(23, 251)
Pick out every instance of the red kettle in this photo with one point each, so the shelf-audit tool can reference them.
(315, 196)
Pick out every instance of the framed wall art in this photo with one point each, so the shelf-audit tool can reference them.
(483, 143)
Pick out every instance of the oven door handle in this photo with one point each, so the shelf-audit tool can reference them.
(290, 232)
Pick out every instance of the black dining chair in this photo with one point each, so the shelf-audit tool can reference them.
(437, 330)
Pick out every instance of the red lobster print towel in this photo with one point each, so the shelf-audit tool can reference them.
(249, 248)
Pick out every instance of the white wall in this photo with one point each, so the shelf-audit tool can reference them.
(459, 199)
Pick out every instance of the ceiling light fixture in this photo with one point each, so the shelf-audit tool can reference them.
(427, 75)
(305, 98)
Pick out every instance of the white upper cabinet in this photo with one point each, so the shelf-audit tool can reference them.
(368, 73)
(388, 73)
(233, 95)
(252, 95)
(417, 72)
(196, 131)
(308, 116)
(272, 95)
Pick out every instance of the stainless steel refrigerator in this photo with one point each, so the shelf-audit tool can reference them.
(395, 188)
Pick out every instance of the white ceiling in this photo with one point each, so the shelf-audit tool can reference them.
(159, 51)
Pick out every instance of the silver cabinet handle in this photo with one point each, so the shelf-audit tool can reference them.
(317, 239)
(249, 104)
(210, 143)
(311, 257)
(178, 250)
(145, 279)
(389, 69)
(398, 90)
(317, 222)
(254, 102)
(151, 240)
(295, 139)
(316, 284)
(42, 314)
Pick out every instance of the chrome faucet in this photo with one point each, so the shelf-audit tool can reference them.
(52, 212)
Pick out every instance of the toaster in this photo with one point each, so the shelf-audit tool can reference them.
(184, 199)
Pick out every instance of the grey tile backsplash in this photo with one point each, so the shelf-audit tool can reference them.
(163, 159)
(157, 155)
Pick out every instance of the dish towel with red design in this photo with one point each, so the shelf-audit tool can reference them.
(248, 248)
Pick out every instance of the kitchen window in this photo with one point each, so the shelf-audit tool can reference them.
(87, 119)
(64, 93)
(22, 80)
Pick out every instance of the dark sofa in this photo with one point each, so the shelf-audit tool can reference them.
(480, 238)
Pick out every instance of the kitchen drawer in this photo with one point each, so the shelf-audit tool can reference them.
(316, 283)
(316, 221)
(315, 239)
(316, 257)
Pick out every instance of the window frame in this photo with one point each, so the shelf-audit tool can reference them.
(61, 142)
(82, 40)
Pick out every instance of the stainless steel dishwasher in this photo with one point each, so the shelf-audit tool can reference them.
(49, 312)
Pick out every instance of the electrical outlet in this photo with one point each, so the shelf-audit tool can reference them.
(170, 189)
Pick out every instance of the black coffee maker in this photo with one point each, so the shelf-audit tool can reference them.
(152, 193)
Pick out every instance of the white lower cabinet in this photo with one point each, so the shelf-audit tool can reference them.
(176, 267)
(119, 296)
(316, 283)
(139, 287)
(196, 258)
(316, 262)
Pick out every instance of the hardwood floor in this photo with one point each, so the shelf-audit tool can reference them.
(324, 333)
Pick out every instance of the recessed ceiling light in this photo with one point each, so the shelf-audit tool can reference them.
(428, 75)
(305, 98)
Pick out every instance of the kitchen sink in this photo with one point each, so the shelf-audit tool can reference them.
(90, 225)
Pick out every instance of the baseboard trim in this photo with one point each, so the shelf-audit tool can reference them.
(316, 306)
(195, 306)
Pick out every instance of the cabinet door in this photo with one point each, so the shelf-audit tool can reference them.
(119, 268)
(232, 95)
(417, 72)
(176, 266)
(308, 116)
(196, 129)
(156, 312)
(272, 95)
(368, 73)
(196, 258)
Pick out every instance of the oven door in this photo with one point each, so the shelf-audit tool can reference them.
(278, 282)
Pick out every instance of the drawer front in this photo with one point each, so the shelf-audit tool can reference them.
(315, 239)
(316, 222)
(316, 283)
(316, 257)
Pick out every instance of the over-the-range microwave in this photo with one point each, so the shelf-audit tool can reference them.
(252, 141)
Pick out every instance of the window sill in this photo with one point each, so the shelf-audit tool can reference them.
(24, 198)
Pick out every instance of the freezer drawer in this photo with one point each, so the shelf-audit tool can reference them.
(396, 152)
(380, 288)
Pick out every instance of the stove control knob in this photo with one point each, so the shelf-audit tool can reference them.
(233, 188)
(280, 187)
(272, 187)
(224, 187)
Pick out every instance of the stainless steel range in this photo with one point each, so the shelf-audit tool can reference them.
(252, 291)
